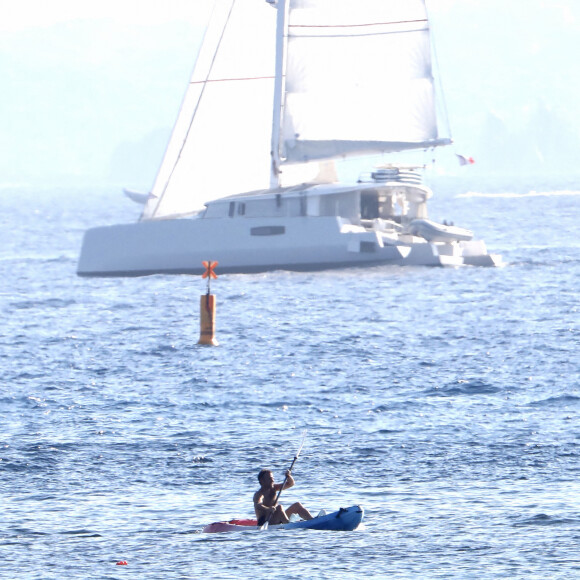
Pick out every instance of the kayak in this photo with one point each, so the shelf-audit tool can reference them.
(345, 519)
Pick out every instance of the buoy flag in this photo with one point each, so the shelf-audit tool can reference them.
(209, 270)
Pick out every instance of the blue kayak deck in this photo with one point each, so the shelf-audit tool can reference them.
(345, 519)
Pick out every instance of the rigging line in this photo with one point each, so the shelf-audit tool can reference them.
(196, 108)
(357, 25)
(358, 35)
(230, 80)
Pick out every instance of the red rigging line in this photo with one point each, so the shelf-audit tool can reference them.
(230, 80)
(356, 25)
(421, 25)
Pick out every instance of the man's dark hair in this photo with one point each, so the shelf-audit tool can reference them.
(261, 474)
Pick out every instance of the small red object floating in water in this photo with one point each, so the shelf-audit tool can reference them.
(122, 563)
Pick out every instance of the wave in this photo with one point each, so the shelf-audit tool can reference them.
(32, 259)
(545, 520)
(463, 387)
(561, 401)
(48, 303)
(509, 194)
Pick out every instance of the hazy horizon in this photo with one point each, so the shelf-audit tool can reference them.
(91, 91)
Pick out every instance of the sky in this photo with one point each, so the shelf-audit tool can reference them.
(29, 14)
(91, 88)
(84, 80)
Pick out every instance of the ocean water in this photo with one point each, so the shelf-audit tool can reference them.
(443, 401)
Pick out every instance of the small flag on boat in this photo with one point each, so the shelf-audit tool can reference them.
(209, 270)
(465, 160)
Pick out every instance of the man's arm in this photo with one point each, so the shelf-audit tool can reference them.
(289, 482)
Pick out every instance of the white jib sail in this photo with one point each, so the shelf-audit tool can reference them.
(220, 144)
(358, 79)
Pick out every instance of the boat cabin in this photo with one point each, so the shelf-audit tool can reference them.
(359, 204)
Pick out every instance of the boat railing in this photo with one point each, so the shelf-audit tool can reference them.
(392, 175)
(381, 225)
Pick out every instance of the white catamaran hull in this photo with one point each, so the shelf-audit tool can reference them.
(247, 245)
(252, 245)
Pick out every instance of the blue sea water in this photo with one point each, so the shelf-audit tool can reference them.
(444, 401)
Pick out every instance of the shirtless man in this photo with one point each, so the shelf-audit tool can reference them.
(265, 497)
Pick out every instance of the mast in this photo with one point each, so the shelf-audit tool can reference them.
(278, 90)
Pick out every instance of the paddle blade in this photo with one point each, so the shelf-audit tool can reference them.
(301, 443)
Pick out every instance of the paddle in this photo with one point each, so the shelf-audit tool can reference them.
(266, 523)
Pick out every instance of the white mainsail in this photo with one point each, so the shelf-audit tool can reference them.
(355, 78)
(358, 79)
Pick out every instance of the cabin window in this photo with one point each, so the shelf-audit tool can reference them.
(261, 208)
(369, 205)
(241, 209)
(368, 247)
(349, 206)
(268, 231)
(293, 205)
(216, 210)
(232, 209)
(344, 205)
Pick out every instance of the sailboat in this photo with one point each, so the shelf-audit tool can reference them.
(280, 91)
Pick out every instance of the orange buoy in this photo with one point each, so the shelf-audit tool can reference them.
(207, 320)
(207, 308)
